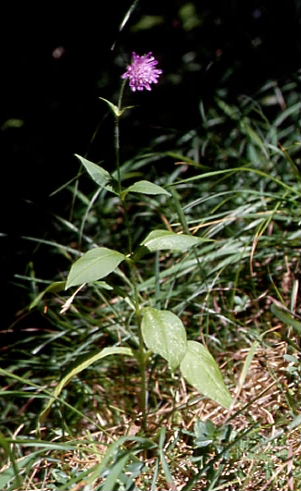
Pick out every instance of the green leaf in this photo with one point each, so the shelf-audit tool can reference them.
(201, 370)
(231, 111)
(116, 111)
(93, 265)
(12, 123)
(9, 473)
(56, 286)
(79, 368)
(146, 187)
(164, 334)
(286, 317)
(15, 468)
(165, 467)
(184, 159)
(247, 364)
(115, 471)
(147, 22)
(112, 106)
(253, 136)
(126, 18)
(98, 174)
(163, 239)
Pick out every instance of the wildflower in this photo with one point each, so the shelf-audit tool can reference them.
(142, 72)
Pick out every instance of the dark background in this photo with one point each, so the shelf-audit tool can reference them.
(56, 60)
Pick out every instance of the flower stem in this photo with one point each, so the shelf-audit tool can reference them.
(117, 136)
(141, 355)
(117, 154)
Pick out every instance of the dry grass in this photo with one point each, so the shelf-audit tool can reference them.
(269, 459)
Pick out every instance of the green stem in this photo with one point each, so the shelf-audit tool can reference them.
(117, 159)
(128, 227)
(141, 359)
(117, 153)
(141, 355)
(117, 136)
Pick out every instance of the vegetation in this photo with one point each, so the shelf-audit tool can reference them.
(203, 230)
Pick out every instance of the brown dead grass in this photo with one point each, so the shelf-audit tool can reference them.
(270, 463)
(261, 400)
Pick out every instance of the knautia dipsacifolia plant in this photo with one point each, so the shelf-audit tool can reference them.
(158, 331)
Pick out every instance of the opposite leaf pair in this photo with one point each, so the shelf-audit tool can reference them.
(164, 334)
(101, 261)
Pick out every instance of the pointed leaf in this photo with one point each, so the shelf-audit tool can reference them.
(8, 473)
(112, 481)
(201, 370)
(164, 333)
(146, 187)
(115, 109)
(56, 286)
(163, 239)
(98, 174)
(112, 106)
(127, 16)
(286, 317)
(93, 265)
(79, 368)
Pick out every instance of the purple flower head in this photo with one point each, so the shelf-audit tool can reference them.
(142, 72)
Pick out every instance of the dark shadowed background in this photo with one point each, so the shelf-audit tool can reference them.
(57, 60)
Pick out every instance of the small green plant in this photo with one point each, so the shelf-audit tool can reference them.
(158, 331)
(232, 278)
